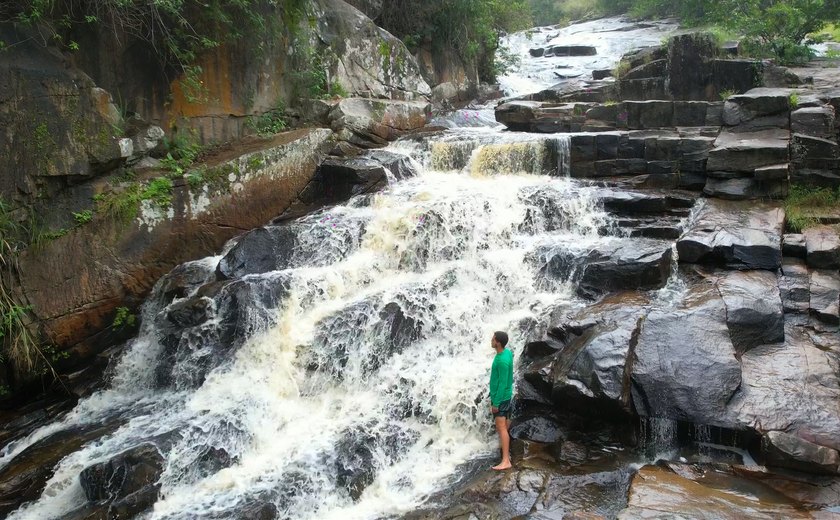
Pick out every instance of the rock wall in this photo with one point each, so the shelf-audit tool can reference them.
(76, 282)
(250, 77)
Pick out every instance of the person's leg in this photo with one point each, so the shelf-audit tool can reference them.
(504, 443)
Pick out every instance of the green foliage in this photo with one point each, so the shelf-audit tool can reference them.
(803, 204)
(123, 205)
(183, 150)
(726, 94)
(178, 31)
(793, 100)
(123, 318)
(769, 28)
(470, 27)
(269, 123)
(83, 217)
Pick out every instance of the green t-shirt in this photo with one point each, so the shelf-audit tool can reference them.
(501, 377)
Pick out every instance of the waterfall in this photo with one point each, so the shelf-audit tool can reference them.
(352, 382)
(658, 437)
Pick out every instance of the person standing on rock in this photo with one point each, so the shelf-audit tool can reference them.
(501, 393)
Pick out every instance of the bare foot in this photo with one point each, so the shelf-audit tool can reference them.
(505, 464)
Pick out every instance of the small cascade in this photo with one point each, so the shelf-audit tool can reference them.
(533, 157)
(563, 150)
(703, 438)
(658, 438)
(483, 154)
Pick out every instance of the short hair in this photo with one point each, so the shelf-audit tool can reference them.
(501, 337)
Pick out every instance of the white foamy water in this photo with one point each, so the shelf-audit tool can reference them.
(363, 390)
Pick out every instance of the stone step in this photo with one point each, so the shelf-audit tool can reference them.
(739, 235)
(758, 109)
(745, 152)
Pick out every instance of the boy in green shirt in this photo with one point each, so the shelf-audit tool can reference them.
(501, 392)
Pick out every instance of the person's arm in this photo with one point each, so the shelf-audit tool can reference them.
(495, 383)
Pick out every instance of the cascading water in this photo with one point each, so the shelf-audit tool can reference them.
(352, 384)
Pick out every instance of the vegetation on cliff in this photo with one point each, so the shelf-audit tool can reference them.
(469, 27)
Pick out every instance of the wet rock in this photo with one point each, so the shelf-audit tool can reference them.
(745, 152)
(355, 468)
(274, 248)
(794, 285)
(589, 374)
(536, 382)
(570, 452)
(194, 344)
(656, 492)
(587, 494)
(383, 327)
(649, 114)
(642, 265)
(810, 490)
(791, 387)
(340, 179)
(23, 479)
(646, 203)
(676, 374)
(183, 280)
(602, 74)
(825, 296)
(793, 244)
(652, 69)
(814, 121)
(537, 427)
(754, 312)
(823, 247)
(570, 50)
(789, 451)
(745, 189)
(735, 234)
(130, 472)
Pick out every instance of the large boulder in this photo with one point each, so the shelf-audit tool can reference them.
(374, 122)
(789, 451)
(370, 61)
(735, 234)
(791, 387)
(754, 312)
(746, 152)
(757, 109)
(612, 265)
(338, 179)
(685, 363)
(589, 373)
(814, 121)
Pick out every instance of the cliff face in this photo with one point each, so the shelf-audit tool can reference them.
(80, 129)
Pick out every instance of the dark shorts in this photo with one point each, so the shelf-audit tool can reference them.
(504, 410)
